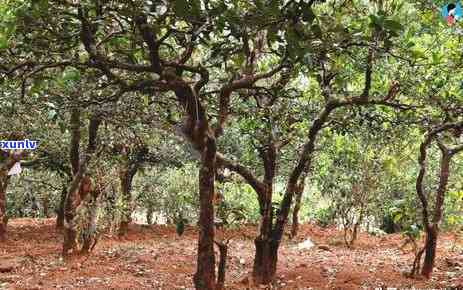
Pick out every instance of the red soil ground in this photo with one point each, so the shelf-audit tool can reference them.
(153, 257)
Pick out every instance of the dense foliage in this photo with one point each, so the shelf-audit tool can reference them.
(345, 113)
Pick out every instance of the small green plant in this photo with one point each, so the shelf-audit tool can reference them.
(325, 216)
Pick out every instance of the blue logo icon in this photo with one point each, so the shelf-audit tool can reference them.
(451, 13)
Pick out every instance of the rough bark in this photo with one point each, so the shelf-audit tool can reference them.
(353, 230)
(431, 226)
(204, 277)
(149, 215)
(127, 214)
(45, 205)
(296, 209)
(60, 210)
(432, 230)
(223, 250)
(71, 200)
(301, 168)
(89, 235)
(3, 216)
(78, 189)
(75, 140)
(80, 185)
(10, 160)
(265, 259)
(430, 251)
(126, 177)
(196, 129)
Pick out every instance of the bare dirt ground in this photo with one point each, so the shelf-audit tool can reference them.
(154, 257)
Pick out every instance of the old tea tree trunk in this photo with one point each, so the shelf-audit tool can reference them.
(431, 221)
(9, 160)
(126, 174)
(265, 262)
(196, 129)
(81, 184)
(126, 177)
(204, 277)
(3, 217)
(266, 257)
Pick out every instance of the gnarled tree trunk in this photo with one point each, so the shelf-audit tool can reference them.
(81, 184)
(196, 129)
(71, 201)
(89, 234)
(431, 222)
(296, 209)
(60, 210)
(265, 259)
(430, 248)
(126, 178)
(10, 160)
(204, 277)
(149, 215)
(432, 229)
(79, 188)
(3, 216)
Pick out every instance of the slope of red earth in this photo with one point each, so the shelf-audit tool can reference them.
(154, 257)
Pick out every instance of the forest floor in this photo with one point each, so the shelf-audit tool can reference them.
(154, 257)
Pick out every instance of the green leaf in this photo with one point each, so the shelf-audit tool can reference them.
(308, 15)
(71, 75)
(52, 114)
(392, 25)
(418, 53)
(397, 217)
(146, 100)
(3, 43)
(181, 8)
(374, 21)
(317, 30)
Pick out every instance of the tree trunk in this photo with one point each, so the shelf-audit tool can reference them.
(149, 215)
(3, 216)
(60, 210)
(46, 204)
(11, 159)
(204, 278)
(432, 230)
(71, 204)
(301, 170)
(430, 250)
(80, 188)
(432, 226)
(80, 185)
(124, 227)
(223, 249)
(297, 207)
(265, 260)
(355, 228)
(126, 177)
(89, 233)
(71, 200)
